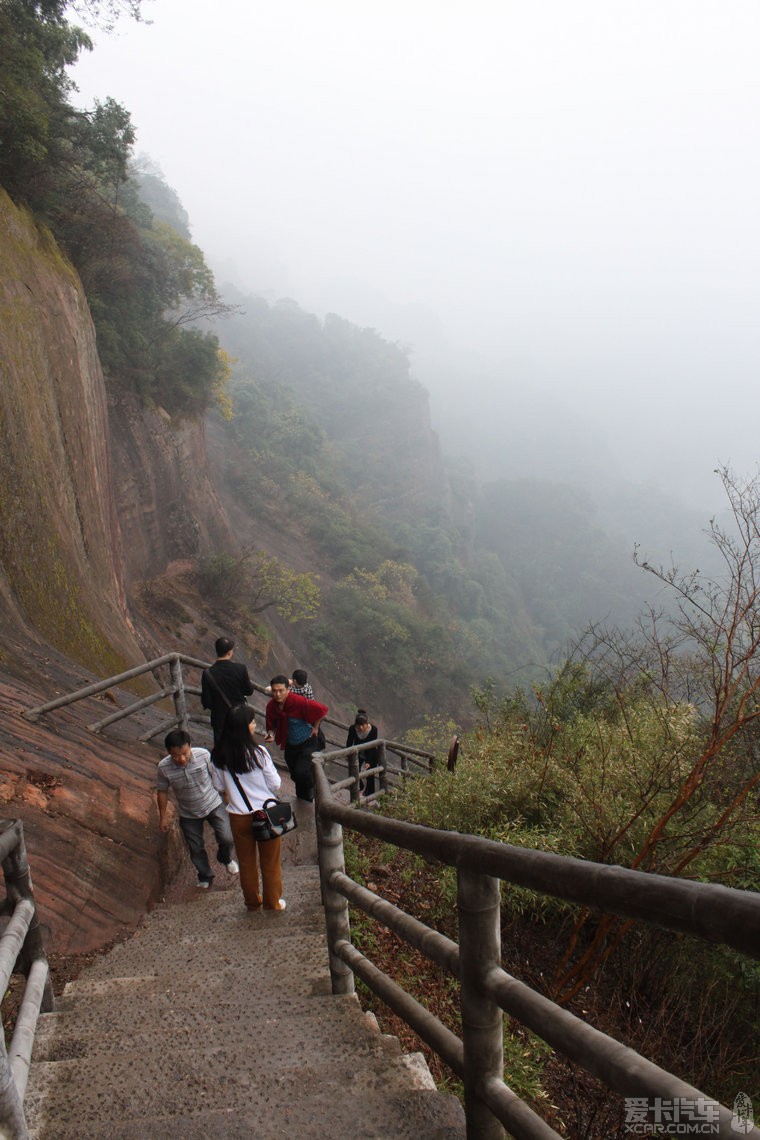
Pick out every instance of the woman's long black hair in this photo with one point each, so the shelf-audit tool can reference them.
(236, 750)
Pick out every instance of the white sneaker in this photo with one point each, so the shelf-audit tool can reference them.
(203, 885)
(233, 868)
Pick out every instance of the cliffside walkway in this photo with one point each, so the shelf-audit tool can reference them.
(210, 1022)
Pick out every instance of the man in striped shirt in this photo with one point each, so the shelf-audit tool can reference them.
(187, 771)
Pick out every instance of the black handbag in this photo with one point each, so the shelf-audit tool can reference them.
(272, 820)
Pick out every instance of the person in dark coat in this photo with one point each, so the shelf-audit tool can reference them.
(224, 685)
(360, 732)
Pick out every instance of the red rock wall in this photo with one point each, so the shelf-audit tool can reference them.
(60, 545)
(87, 803)
(168, 506)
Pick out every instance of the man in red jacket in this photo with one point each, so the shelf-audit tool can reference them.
(293, 723)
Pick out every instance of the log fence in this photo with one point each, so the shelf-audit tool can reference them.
(716, 913)
(21, 952)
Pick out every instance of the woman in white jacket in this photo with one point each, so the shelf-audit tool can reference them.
(237, 755)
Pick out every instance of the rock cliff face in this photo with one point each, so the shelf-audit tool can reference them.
(169, 509)
(97, 857)
(66, 475)
(60, 545)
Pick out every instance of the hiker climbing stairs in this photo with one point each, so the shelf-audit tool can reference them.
(211, 1022)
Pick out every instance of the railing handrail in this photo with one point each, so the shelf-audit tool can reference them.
(177, 688)
(20, 945)
(707, 910)
(100, 686)
(366, 746)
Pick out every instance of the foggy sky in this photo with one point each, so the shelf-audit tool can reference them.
(553, 201)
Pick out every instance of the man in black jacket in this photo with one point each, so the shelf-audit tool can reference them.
(224, 685)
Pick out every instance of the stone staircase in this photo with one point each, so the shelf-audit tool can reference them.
(213, 1023)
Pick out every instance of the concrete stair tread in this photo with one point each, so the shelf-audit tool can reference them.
(231, 987)
(212, 1022)
(417, 1116)
(330, 1021)
(278, 1064)
(196, 932)
(167, 1081)
(260, 941)
(291, 944)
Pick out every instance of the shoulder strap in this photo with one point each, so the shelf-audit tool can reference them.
(214, 684)
(240, 789)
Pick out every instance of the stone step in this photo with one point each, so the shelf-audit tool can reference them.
(366, 1115)
(211, 1022)
(215, 925)
(236, 942)
(228, 990)
(324, 1052)
(331, 1020)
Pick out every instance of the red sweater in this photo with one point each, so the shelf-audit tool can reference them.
(301, 708)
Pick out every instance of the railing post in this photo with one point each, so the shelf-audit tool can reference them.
(384, 774)
(353, 770)
(479, 906)
(180, 703)
(18, 885)
(12, 1121)
(330, 853)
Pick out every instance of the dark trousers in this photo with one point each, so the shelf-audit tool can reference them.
(298, 760)
(192, 831)
(367, 786)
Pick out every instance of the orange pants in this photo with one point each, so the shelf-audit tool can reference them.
(249, 855)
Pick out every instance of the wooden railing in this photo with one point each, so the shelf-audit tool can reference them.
(176, 689)
(21, 951)
(395, 762)
(719, 914)
(409, 759)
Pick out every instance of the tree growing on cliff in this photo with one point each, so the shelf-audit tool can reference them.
(260, 582)
(41, 134)
(38, 46)
(147, 284)
(104, 14)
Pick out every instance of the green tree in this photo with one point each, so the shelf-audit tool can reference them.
(35, 118)
(260, 582)
(146, 283)
(104, 14)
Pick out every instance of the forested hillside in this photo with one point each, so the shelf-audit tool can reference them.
(432, 579)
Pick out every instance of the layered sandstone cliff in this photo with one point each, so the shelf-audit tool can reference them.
(60, 545)
(169, 509)
(87, 803)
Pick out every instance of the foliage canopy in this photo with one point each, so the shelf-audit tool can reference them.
(145, 281)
